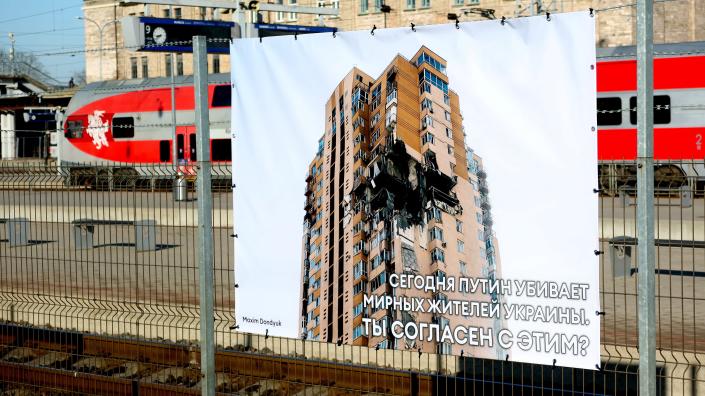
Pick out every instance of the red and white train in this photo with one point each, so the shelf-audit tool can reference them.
(679, 114)
(122, 122)
(117, 124)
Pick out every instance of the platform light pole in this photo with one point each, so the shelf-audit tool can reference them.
(100, 39)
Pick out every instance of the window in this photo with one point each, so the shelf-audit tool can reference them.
(434, 214)
(426, 121)
(410, 4)
(133, 67)
(280, 15)
(166, 13)
(446, 99)
(461, 246)
(216, 63)
(359, 269)
(363, 6)
(180, 147)
(358, 331)
(359, 287)
(221, 96)
(438, 255)
(378, 281)
(145, 67)
(449, 133)
(458, 2)
(458, 225)
(177, 13)
(426, 103)
(202, 12)
(426, 58)
(427, 76)
(480, 235)
(168, 68)
(164, 151)
(450, 149)
(435, 233)
(221, 150)
(662, 109)
(427, 138)
(123, 127)
(357, 310)
(483, 254)
(447, 115)
(477, 201)
(479, 217)
(335, 3)
(463, 268)
(425, 87)
(74, 129)
(192, 146)
(445, 348)
(375, 119)
(609, 111)
(292, 15)
(425, 3)
(179, 64)
(359, 248)
(375, 135)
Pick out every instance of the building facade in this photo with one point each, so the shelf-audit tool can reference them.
(102, 18)
(674, 21)
(390, 191)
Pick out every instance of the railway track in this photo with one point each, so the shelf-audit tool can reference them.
(36, 361)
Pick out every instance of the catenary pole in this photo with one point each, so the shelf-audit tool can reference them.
(645, 198)
(205, 213)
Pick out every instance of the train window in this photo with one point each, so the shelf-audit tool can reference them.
(221, 150)
(74, 129)
(123, 127)
(609, 111)
(180, 147)
(192, 146)
(662, 109)
(164, 151)
(221, 96)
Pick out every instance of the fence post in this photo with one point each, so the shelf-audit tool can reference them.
(205, 209)
(645, 198)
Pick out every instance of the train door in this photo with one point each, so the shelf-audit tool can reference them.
(186, 149)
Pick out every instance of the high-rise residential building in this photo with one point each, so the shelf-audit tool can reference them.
(389, 191)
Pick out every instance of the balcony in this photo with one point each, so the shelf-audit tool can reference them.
(485, 203)
(449, 197)
(392, 97)
(392, 73)
(360, 183)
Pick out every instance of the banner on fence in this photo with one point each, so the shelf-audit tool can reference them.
(426, 188)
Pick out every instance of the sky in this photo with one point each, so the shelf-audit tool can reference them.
(45, 28)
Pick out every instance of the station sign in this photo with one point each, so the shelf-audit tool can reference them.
(273, 29)
(175, 35)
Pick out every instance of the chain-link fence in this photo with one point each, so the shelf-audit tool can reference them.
(99, 294)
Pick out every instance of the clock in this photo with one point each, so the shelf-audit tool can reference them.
(159, 35)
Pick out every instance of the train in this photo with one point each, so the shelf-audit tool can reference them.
(125, 129)
(679, 117)
(120, 123)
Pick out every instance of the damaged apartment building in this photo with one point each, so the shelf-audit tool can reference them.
(393, 189)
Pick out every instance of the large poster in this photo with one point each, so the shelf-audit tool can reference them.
(426, 189)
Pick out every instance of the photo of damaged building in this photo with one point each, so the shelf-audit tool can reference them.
(393, 189)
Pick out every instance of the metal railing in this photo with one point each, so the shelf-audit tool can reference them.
(99, 295)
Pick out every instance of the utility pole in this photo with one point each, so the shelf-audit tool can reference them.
(205, 213)
(645, 197)
(12, 53)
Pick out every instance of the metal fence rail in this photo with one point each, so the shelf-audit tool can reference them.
(99, 295)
